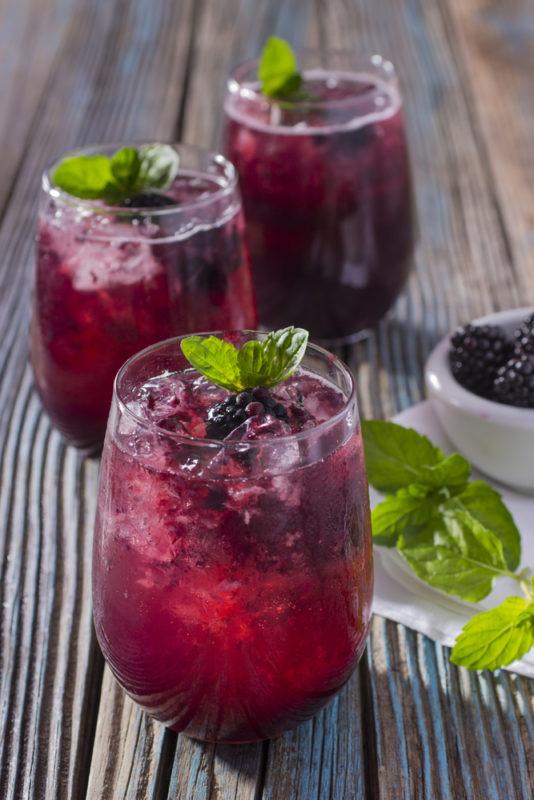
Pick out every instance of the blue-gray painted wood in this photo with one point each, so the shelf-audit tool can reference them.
(409, 724)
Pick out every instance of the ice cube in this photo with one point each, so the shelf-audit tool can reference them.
(277, 452)
(104, 253)
(261, 426)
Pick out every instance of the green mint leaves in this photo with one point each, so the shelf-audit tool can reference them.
(278, 71)
(497, 637)
(128, 172)
(397, 457)
(456, 554)
(457, 535)
(256, 363)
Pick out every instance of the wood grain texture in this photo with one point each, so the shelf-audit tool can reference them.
(131, 752)
(226, 772)
(408, 725)
(31, 34)
(495, 55)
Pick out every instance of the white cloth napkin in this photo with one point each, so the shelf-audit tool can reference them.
(401, 596)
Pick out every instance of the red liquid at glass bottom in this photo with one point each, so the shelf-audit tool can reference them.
(102, 295)
(233, 610)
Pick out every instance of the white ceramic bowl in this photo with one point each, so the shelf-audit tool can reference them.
(497, 439)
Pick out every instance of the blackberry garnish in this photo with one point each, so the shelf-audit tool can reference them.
(148, 200)
(226, 416)
(524, 336)
(476, 354)
(514, 384)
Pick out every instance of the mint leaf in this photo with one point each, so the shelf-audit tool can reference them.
(274, 359)
(87, 177)
(125, 166)
(486, 505)
(394, 454)
(215, 358)
(462, 557)
(257, 363)
(158, 167)
(277, 71)
(114, 179)
(497, 637)
(451, 473)
(409, 509)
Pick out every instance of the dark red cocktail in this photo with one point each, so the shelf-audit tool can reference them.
(327, 194)
(111, 281)
(232, 579)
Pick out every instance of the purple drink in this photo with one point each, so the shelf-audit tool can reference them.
(111, 281)
(232, 578)
(327, 194)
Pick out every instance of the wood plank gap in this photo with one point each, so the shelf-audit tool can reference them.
(162, 780)
(179, 123)
(262, 770)
(368, 725)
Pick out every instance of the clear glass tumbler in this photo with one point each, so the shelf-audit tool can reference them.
(111, 281)
(232, 580)
(327, 193)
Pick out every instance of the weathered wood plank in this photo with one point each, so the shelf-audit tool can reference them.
(31, 34)
(322, 758)
(226, 772)
(442, 732)
(48, 673)
(131, 752)
(495, 54)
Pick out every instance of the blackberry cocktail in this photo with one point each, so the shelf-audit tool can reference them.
(326, 187)
(232, 575)
(112, 279)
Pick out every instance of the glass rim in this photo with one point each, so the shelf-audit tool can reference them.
(349, 400)
(229, 172)
(236, 82)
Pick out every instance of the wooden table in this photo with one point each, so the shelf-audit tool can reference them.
(409, 725)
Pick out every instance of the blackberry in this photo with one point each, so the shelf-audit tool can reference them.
(514, 384)
(476, 354)
(226, 416)
(148, 200)
(524, 336)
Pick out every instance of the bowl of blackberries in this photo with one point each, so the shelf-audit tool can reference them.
(480, 380)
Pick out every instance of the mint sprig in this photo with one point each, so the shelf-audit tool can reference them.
(496, 637)
(126, 173)
(278, 70)
(256, 363)
(456, 534)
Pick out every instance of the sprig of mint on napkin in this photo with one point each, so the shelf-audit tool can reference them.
(457, 535)
(114, 179)
(256, 363)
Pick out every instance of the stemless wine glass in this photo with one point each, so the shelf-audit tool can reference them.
(327, 192)
(232, 579)
(111, 281)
